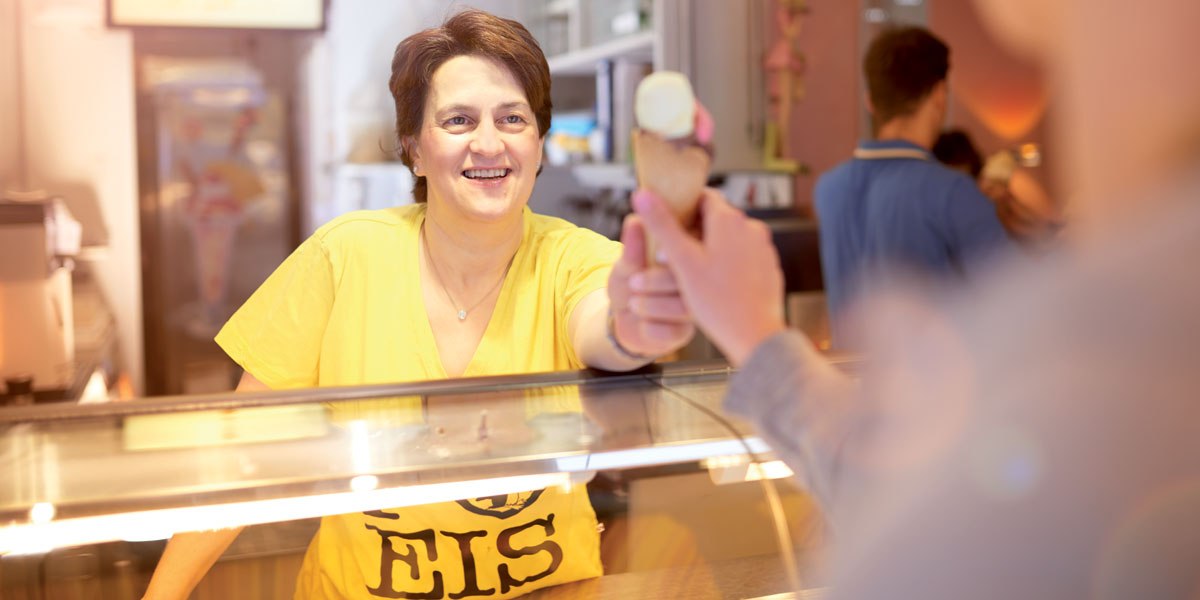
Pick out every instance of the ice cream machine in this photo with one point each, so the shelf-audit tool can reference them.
(38, 237)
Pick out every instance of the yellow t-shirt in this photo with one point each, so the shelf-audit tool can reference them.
(346, 309)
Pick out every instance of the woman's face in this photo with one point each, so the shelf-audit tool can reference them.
(478, 147)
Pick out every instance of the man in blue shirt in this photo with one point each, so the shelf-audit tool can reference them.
(892, 210)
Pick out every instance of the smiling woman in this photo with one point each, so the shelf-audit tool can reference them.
(467, 282)
(512, 55)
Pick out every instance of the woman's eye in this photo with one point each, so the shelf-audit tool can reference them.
(514, 119)
(459, 120)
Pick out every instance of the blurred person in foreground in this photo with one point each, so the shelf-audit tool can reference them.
(1037, 436)
(465, 282)
(892, 210)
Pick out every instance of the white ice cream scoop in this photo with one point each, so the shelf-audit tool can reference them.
(665, 105)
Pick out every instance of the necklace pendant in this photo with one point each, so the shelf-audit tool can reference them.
(462, 315)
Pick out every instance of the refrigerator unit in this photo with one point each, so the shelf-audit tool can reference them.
(217, 210)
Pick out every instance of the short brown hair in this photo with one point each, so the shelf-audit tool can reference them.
(901, 67)
(473, 33)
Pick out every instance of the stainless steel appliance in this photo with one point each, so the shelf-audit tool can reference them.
(37, 238)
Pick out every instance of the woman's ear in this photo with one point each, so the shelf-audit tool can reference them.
(414, 154)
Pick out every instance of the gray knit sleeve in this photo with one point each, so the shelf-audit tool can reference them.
(801, 405)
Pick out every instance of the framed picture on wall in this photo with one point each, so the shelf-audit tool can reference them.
(285, 15)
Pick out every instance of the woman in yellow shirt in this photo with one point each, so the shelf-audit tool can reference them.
(466, 282)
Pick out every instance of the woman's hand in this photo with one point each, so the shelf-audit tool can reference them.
(650, 318)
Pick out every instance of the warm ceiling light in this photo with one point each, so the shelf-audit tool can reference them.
(1029, 155)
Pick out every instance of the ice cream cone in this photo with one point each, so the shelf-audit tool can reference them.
(675, 171)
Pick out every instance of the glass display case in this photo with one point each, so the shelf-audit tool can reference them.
(579, 485)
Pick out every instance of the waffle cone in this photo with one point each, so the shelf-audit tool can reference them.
(676, 173)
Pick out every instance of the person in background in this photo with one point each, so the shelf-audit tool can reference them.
(892, 210)
(466, 282)
(1033, 437)
(955, 149)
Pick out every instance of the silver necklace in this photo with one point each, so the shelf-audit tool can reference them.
(462, 312)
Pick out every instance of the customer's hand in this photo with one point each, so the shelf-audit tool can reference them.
(730, 280)
(651, 320)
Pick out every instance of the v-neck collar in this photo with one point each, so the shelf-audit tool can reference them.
(421, 316)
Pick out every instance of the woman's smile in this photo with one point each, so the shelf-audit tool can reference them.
(487, 177)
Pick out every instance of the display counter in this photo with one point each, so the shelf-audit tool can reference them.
(686, 498)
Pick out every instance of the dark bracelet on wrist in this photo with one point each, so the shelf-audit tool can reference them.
(611, 332)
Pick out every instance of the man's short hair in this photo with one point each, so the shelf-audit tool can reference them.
(902, 66)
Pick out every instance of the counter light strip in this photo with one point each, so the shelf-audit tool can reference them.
(162, 523)
(658, 455)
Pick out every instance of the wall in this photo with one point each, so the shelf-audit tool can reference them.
(999, 96)
(824, 127)
(79, 117)
(8, 95)
(999, 99)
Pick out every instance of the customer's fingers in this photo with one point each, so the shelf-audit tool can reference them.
(682, 250)
(719, 217)
(670, 309)
(654, 280)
